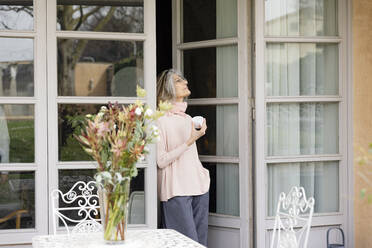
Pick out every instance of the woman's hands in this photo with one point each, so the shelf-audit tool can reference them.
(196, 134)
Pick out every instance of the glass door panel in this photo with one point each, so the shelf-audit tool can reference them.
(17, 15)
(104, 16)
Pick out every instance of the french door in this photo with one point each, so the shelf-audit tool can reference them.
(212, 49)
(23, 121)
(302, 113)
(65, 59)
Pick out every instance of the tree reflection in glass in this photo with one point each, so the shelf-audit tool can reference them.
(16, 15)
(105, 58)
(104, 15)
(99, 67)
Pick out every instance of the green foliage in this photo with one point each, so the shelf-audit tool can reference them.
(22, 141)
(73, 151)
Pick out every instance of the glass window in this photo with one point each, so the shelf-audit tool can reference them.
(17, 135)
(85, 69)
(222, 135)
(320, 180)
(67, 179)
(224, 188)
(301, 69)
(302, 128)
(16, 15)
(17, 200)
(301, 17)
(208, 19)
(16, 67)
(212, 72)
(106, 16)
(69, 149)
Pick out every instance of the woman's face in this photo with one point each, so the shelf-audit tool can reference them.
(180, 86)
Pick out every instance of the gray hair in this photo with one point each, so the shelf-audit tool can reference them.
(165, 90)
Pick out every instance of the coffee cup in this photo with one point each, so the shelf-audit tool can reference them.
(198, 121)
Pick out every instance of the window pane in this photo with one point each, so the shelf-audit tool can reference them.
(67, 179)
(86, 69)
(302, 128)
(17, 199)
(224, 189)
(69, 149)
(17, 139)
(209, 19)
(16, 67)
(105, 16)
(301, 69)
(212, 72)
(320, 180)
(222, 135)
(16, 15)
(301, 17)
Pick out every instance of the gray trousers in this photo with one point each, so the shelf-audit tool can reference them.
(187, 215)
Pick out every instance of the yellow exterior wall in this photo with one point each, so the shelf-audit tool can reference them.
(362, 52)
(91, 79)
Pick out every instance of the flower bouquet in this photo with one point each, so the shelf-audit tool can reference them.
(117, 137)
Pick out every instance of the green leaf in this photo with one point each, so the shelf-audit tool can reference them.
(363, 193)
(133, 171)
(88, 150)
(84, 140)
(140, 92)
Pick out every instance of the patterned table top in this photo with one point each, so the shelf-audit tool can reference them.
(157, 238)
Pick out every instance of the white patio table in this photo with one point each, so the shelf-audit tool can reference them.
(154, 238)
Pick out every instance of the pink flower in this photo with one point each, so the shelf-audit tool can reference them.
(118, 147)
(100, 127)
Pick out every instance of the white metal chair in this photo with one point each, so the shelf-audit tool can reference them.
(83, 201)
(293, 219)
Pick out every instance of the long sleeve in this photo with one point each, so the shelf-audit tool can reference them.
(164, 157)
(180, 171)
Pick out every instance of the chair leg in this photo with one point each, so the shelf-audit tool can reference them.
(18, 214)
(18, 221)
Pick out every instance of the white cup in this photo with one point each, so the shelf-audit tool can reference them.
(198, 121)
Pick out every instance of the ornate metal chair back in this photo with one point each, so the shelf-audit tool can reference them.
(293, 219)
(78, 207)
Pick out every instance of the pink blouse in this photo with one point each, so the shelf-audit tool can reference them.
(180, 172)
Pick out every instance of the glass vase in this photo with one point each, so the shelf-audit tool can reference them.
(113, 200)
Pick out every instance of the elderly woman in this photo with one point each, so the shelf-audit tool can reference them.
(183, 183)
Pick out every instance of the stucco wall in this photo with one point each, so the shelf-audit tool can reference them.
(362, 49)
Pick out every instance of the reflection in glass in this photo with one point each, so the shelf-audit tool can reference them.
(17, 139)
(221, 137)
(209, 19)
(224, 188)
(320, 180)
(67, 179)
(302, 128)
(106, 16)
(16, 15)
(212, 72)
(99, 67)
(16, 67)
(301, 69)
(17, 200)
(301, 17)
(69, 149)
